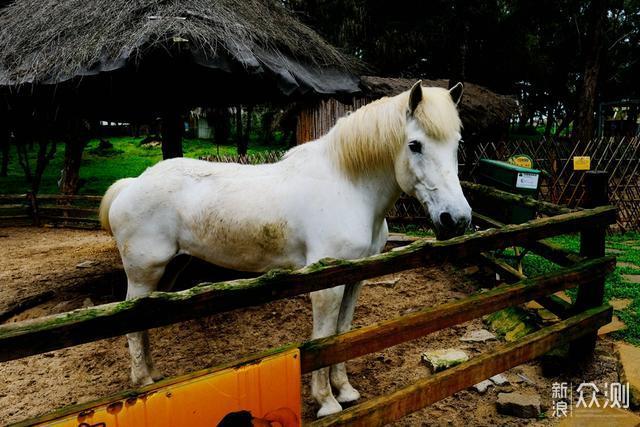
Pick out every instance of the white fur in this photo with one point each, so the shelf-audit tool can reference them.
(283, 215)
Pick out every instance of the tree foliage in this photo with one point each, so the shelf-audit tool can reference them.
(537, 50)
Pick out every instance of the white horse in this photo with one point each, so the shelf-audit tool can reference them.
(326, 198)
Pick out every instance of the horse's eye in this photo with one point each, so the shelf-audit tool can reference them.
(415, 146)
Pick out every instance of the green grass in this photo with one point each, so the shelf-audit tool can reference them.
(615, 285)
(100, 168)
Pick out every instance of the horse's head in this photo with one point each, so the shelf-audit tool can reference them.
(427, 166)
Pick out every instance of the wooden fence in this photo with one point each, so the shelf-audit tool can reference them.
(50, 210)
(579, 325)
(619, 157)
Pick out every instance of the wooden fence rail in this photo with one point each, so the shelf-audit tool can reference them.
(93, 323)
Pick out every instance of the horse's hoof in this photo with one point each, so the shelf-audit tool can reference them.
(348, 394)
(156, 375)
(142, 381)
(328, 408)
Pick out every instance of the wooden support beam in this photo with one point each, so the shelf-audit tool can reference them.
(358, 342)
(162, 308)
(553, 303)
(545, 249)
(387, 408)
(592, 245)
(492, 193)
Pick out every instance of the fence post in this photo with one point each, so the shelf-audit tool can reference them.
(33, 204)
(592, 245)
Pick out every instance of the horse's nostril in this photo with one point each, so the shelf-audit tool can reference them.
(447, 220)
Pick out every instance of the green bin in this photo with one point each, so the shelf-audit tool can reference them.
(514, 179)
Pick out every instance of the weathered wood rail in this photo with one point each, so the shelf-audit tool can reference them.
(72, 211)
(580, 321)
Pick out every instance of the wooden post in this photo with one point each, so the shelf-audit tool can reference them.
(172, 130)
(592, 245)
(33, 205)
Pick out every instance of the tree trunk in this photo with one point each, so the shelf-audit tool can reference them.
(70, 180)
(4, 143)
(172, 130)
(584, 124)
(242, 150)
(46, 153)
(457, 72)
(220, 121)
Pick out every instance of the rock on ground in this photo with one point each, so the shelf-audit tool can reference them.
(480, 335)
(483, 386)
(630, 363)
(519, 404)
(438, 360)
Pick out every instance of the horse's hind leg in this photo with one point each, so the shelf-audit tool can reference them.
(339, 379)
(144, 269)
(326, 310)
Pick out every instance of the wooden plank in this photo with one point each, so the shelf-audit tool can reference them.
(163, 308)
(70, 210)
(358, 342)
(546, 249)
(65, 197)
(387, 408)
(485, 191)
(554, 304)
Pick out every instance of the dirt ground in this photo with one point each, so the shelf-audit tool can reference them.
(36, 260)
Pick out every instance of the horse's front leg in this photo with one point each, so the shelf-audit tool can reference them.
(326, 311)
(339, 380)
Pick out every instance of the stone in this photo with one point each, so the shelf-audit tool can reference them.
(519, 404)
(499, 379)
(479, 335)
(563, 295)
(596, 417)
(86, 264)
(87, 303)
(615, 325)
(512, 323)
(630, 370)
(472, 269)
(532, 305)
(439, 360)
(631, 278)
(620, 303)
(483, 386)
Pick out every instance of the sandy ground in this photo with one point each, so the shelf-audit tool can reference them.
(35, 260)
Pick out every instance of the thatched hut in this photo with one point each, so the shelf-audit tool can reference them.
(122, 59)
(484, 113)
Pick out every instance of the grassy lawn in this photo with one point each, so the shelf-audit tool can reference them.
(100, 168)
(616, 287)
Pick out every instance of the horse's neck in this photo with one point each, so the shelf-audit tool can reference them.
(379, 186)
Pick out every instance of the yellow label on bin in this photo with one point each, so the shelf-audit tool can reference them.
(521, 160)
(581, 163)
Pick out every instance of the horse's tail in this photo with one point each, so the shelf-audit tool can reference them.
(108, 199)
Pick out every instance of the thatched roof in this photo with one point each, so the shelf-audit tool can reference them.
(53, 41)
(481, 110)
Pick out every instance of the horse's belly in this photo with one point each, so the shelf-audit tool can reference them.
(243, 243)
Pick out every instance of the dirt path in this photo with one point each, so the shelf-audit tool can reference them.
(40, 259)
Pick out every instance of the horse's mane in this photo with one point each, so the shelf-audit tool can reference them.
(372, 136)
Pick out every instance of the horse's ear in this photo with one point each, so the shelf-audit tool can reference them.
(456, 92)
(415, 96)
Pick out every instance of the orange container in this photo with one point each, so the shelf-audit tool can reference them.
(267, 391)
